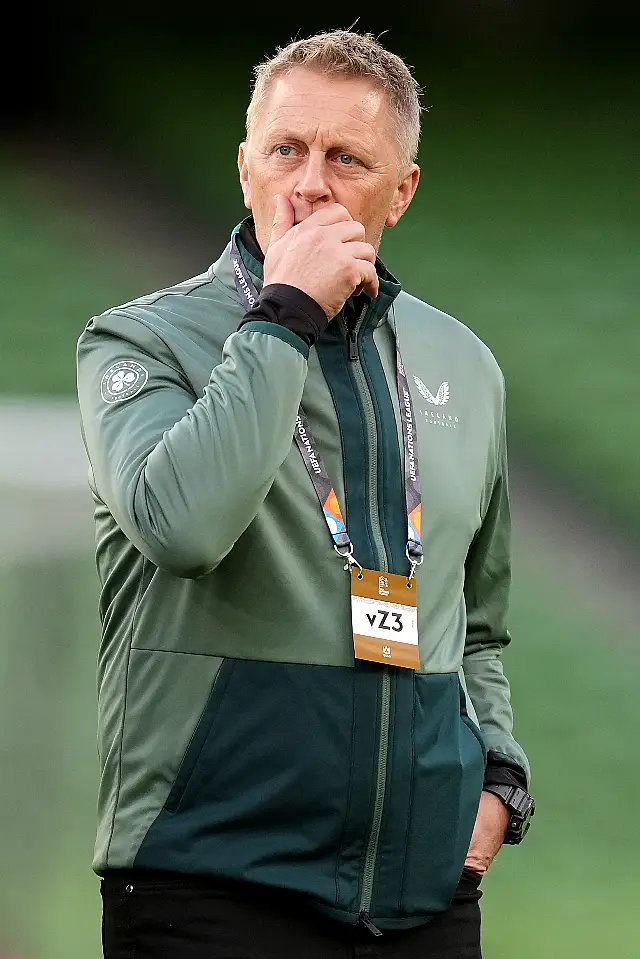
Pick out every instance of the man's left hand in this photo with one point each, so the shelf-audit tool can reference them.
(488, 833)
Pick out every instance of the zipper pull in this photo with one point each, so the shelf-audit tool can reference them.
(353, 345)
(366, 922)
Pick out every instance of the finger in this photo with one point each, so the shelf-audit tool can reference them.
(283, 218)
(368, 278)
(361, 251)
(330, 213)
(348, 230)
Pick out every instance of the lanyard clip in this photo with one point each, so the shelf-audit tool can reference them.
(415, 556)
(345, 551)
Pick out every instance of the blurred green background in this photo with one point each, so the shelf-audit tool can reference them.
(117, 176)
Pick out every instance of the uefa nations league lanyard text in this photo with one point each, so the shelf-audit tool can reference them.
(315, 465)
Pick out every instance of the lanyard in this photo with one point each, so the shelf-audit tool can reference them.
(315, 464)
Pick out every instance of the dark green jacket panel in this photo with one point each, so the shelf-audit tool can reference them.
(292, 807)
(436, 768)
(355, 450)
(282, 755)
(392, 506)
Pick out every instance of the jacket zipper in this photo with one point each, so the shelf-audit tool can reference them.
(385, 692)
(372, 436)
(381, 782)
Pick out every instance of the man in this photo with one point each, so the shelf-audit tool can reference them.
(301, 693)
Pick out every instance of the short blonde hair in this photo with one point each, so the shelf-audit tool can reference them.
(346, 53)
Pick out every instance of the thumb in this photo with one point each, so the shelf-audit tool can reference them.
(283, 219)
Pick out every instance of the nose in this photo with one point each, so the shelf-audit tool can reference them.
(313, 185)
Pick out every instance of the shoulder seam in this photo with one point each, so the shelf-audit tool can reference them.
(152, 298)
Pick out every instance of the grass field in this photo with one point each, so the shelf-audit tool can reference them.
(570, 890)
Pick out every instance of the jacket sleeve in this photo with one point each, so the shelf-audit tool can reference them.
(487, 583)
(184, 477)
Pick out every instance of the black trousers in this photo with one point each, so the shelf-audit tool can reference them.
(151, 916)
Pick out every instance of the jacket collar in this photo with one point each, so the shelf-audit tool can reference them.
(253, 259)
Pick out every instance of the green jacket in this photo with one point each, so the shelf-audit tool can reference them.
(237, 735)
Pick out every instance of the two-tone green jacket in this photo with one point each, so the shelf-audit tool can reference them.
(238, 737)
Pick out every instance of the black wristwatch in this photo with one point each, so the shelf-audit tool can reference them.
(521, 806)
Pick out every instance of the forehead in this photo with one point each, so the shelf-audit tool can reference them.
(305, 97)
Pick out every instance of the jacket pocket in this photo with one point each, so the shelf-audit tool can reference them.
(201, 734)
(466, 718)
(448, 771)
(469, 723)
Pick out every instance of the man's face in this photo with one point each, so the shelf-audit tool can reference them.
(318, 140)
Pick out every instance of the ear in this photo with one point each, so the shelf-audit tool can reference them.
(403, 195)
(244, 174)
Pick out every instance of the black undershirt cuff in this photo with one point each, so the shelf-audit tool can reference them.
(290, 307)
(501, 771)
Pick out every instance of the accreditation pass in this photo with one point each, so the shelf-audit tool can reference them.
(384, 614)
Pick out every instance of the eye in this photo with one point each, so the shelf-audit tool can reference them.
(346, 158)
(285, 150)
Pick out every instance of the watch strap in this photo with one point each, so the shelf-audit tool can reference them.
(521, 807)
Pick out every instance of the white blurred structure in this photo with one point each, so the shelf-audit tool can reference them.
(45, 504)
